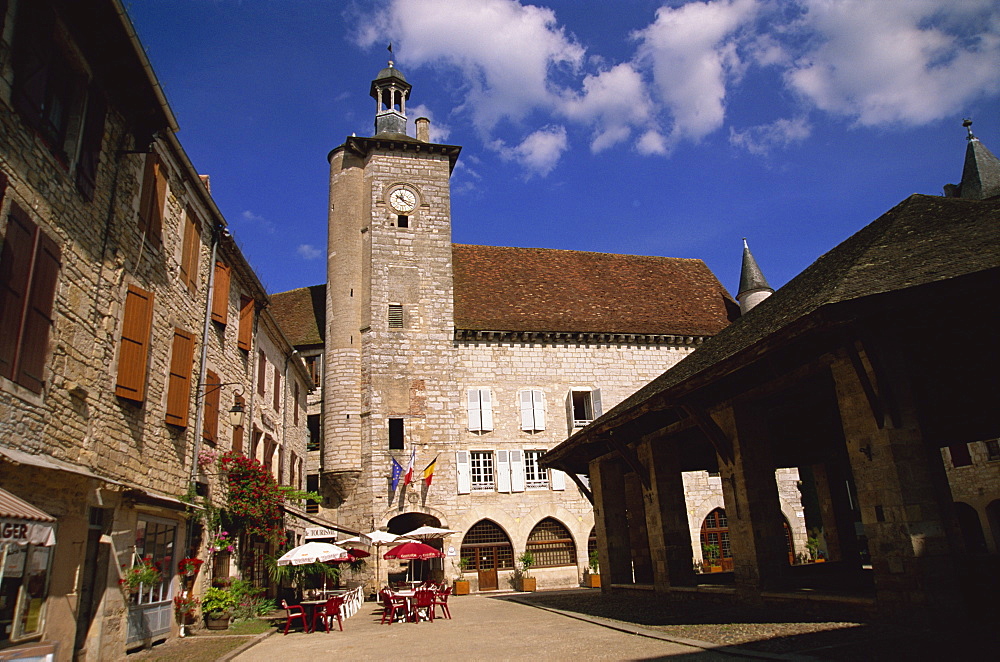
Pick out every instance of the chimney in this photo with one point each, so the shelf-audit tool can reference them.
(423, 129)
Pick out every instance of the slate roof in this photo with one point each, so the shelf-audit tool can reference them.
(922, 240)
(539, 289)
(301, 314)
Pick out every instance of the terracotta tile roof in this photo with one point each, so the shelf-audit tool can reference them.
(301, 314)
(540, 289)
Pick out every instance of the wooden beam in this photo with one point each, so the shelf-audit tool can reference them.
(583, 487)
(720, 442)
(631, 459)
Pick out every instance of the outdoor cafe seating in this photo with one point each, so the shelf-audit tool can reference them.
(331, 610)
(414, 605)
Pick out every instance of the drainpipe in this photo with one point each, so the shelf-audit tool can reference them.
(200, 392)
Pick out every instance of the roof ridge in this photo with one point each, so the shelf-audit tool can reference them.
(582, 252)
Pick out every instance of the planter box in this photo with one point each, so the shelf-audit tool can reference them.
(592, 581)
(216, 623)
(528, 583)
(461, 587)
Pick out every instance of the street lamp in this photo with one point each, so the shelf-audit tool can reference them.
(237, 415)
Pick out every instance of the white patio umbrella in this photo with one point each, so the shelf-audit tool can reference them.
(378, 539)
(314, 552)
(430, 533)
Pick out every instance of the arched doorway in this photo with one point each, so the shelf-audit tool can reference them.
(715, 540)
(972, 529)
(430, 570)
(993, 517)
(487, 549)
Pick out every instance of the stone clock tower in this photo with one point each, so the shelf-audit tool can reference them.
(390, 323)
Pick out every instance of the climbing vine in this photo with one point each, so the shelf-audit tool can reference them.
(253, 497)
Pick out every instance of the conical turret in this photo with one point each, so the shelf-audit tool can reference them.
(753, 285)
(980, 174)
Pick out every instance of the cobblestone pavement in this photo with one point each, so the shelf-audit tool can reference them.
(483, 628)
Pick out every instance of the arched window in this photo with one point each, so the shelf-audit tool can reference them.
(592, 542)
(715, 532)
(551, 544)
(487, 547)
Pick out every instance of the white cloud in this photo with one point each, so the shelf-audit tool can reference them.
(539, 152)
(765, 137)
(692, 52)
(308, 252)
(439, 131)
(652, 142)
(910, 62)
(258, 220)
(505, 50)
(612, 101)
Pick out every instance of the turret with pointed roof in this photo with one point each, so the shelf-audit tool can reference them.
(753, 285)
(981, 173)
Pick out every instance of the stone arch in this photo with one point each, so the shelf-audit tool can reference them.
(578, 526)
(391, 513)
(553, 544)
(993, 521)
(796, 526)
(971, 527)
(498, 515)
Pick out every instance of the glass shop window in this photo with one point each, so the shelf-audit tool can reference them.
(23, 591)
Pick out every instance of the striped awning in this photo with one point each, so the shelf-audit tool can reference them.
(22, 523)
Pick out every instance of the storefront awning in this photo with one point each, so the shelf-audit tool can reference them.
(23, 524)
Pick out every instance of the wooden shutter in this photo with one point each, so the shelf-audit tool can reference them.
(238, 431)
(475, 411)
(261, 372)
(557, 479)
(516, 471)
(538, 404)
(220, 295)
(153, 197)
(213, 399)
(486, 402)
(527, 411)
(295, 405)
(191, 250)
(462, 471)
(38, 315)
(569, 409)
(134, 351)
(15, 276)
(503, 472)
(245, 337)
(179, 385)
(595, 402)
(90, 143)
(277, 389)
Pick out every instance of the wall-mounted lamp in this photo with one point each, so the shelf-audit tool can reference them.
(866, 450)
(237, 415)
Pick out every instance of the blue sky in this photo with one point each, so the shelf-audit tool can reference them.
(635, 126)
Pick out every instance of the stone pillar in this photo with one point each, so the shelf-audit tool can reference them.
(756, 525)
(903, 492)
(642, 563)
(666, 517)
(607, 480)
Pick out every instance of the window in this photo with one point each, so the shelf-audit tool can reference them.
(277, 389)
(532, 410)
(715, 532)
(551, 544)
(156, 539)
(480, 410)
(293, 461)
(312, 485)
(23, 591)
(213, 400)
(992, 449)
(535, 478)
(960, 456)
(179, 383)
(191, 250)
(245, 336)
(29, 268)
(152, 199)
(487, 547)
(295, 405)
(90, 143)
(395, 316)
(402, 221)
(261, 372)
(312, 421)
(395, 434)
(583, 406)
(220, 294)
(482, 475)
(314, 364)
(134, 350)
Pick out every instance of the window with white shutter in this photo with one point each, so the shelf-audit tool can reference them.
(558, 479)
(483, 477)
(516, 471)
(532, 403)
(583, 406)
(503, 472)
(535, 478)
(480, 410)
(463, 474)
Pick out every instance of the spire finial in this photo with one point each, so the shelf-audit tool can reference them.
(390, 54)
(967, 123)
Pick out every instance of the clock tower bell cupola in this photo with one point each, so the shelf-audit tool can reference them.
(390, 91)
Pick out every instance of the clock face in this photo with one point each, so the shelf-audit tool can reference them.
(403, 200)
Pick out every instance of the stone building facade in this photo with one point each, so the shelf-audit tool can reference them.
(130, 324)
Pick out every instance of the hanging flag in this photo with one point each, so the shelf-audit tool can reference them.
(429, 471)
(408, 478)
(390, 46)
(397, 471)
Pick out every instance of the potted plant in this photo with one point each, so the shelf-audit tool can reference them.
(217, 606)
(144, 573)
(710, 557)
(189, 567)
(593, 576)
(185, 608)
(526, 581)
(461, 583)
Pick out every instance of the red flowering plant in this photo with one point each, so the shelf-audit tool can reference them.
(144, 573)
(253, 499)
(189, 566)
(185, 607)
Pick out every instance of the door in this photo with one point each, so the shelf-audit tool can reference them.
(488, 580)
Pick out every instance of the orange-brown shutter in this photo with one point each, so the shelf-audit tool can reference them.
(134, 350)
(295, 406)
(213, 393)
(154, 195)
(220, 297)
(238, 430)
(15, 272)
(179, 385)
(261, 372)
(38, 315)
(190, 250)
(277, 389)
(245, 337)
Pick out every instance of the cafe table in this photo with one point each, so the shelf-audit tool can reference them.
(312, 606)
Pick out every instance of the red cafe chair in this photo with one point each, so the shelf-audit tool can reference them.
(390, 605)
(293, 612)
(423, 600)
(332, 609)
(441, 600)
